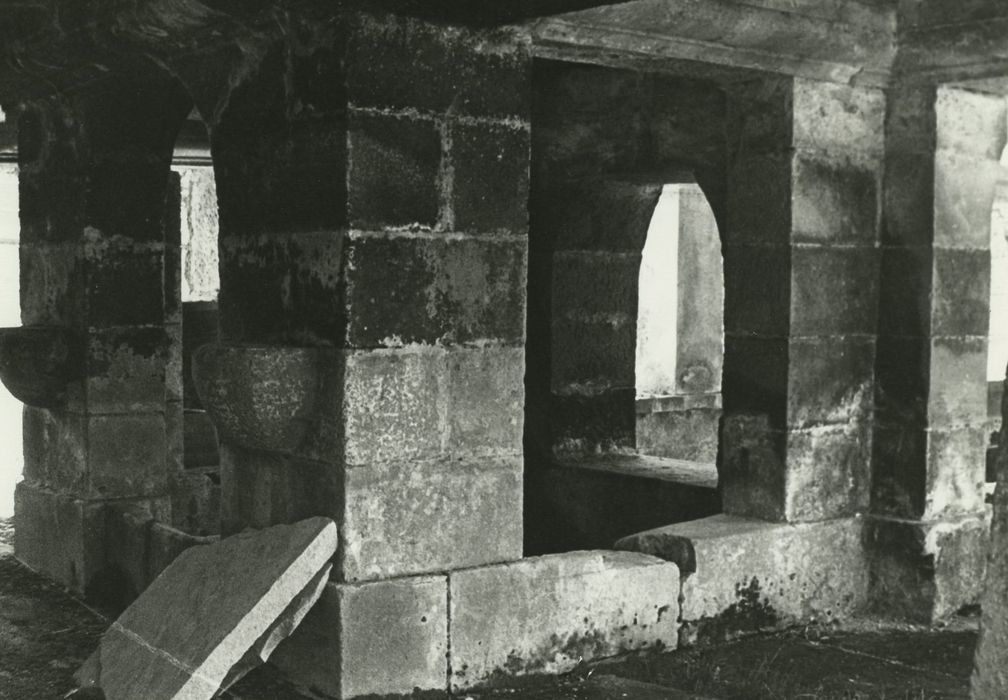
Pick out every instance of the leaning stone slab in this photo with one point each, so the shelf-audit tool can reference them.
(545, 615)
(213, 614)
(742, 575)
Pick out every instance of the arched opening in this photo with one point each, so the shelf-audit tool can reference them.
(680, 330)
(11, 449)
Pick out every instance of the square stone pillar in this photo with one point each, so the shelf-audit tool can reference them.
(801, 270)
(380, 220)
(94, 172)
(927, 534)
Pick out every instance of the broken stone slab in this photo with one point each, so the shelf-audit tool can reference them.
(217, 611)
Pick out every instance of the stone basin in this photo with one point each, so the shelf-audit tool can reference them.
(37, 363)
(260, 397)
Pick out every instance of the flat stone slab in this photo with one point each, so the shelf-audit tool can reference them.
(546, 615)
(215, 612)
(743, 575)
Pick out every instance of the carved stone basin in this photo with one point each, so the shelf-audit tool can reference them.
(37, 363)
(260, 397)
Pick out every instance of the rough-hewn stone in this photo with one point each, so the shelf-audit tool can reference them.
(574, 607)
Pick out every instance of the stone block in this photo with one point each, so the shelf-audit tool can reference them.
(127, 370)
(392, 406)
(752, 474)
(593, 422)
(402, 519)
(588, 283)
(902, 380)
(259, 489)
(126, 196)
(970, 122)
(964, 188)
(899, 458)
(59, 536)
(759, 201)
(834, 290)
(756, 377)
(445, 291)
(593, 351)
(911, 120)
(490, 177)
(124, 281)
(688, 434)
(908, 192)
(575, 607)
(229, 602)
(173, 365)
(372, 639)
(287, 180)
(52, 199)
(925, 571)
(394, 165)
(956, 466)
(757, 288)
(833, 201)
(905, 286)
(745, 575)
(961, 292)
(760, 114)
(830, 116)
(196, 503)
(283, 288)
(126, 455)
(595, 215)
(830, 380)
(50, 284)
(174, 438)
(402, 63)
(486, 398)
(127, 542)
(958, 381)
(828, 471)
(55, 450)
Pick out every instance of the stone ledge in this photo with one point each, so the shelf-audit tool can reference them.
(742, 575)
(546, 615)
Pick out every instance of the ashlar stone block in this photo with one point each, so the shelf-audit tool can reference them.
(548, 614)
(741, 575)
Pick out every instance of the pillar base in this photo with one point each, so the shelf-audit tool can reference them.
(926, 571)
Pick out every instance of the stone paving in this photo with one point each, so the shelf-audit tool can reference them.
(45, 635)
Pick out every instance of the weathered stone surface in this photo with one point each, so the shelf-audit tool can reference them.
(409, 518)
(213, 604)
(690, 434)
(828, 471)
(58, 535)
(831, 117)
(573, 607)
(742, 575)
(372, 639)
(260, 397)
(990, 672)
(926, 571)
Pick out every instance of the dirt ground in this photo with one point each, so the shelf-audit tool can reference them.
(45, 635)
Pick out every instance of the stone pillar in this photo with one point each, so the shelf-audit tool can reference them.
(927, 533)
(373, 183)
(94, 169)
(801, 270)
